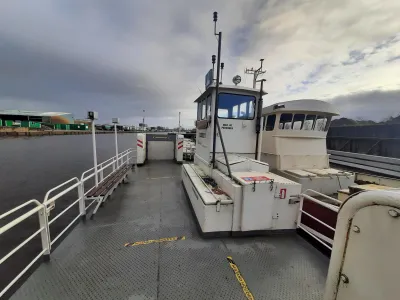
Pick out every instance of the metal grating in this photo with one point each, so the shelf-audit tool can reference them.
(92, 262)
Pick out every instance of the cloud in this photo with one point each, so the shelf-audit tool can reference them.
(123, 57)
(324, 49)
(355, 56)
(376, 105)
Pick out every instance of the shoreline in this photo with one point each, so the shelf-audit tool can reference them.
(34, 132)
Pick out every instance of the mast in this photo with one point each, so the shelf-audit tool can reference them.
(219, 35)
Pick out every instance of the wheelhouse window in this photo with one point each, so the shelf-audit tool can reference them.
(322, 123)
(298, 121)
(235, 111)
(309, 122)
(198, 110)
(234, 106)
(328, 123)
(208, 109)
(285, 122)
(203, 109)
(270, 122)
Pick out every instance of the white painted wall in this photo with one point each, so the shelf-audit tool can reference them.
(141, 147)
(294, 149)
(179, 144)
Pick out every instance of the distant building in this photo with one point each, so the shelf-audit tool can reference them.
(83, 121)
(36, 116)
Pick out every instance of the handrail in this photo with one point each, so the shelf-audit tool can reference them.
(327, 205)
(20, 218)
(331, 207)
(57, 187)
(43, 210)
(86, 175)
(19, 207)
(43, 230)
(92, 169)
(323, 195)
(120, 155)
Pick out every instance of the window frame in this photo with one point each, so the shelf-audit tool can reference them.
(284, 124)
(266, 122)
(204, 109)
(199, 111)
(313, 123)
(321, 117)
(253, 101)
(302, 121)
(328, 123)
(208, 105)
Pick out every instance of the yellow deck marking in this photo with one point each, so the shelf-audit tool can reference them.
(163, 240)
(240, 278)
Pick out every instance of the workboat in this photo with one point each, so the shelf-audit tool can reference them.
(233, 192)
(176, 230)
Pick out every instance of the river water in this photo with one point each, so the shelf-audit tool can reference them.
(29, 167)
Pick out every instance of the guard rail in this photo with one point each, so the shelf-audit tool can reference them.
(377, 164)
(318, 236)
(43, 210)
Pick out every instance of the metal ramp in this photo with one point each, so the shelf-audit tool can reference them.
(94, 263)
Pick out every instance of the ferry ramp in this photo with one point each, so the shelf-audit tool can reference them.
(166, 258)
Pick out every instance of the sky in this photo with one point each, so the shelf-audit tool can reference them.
(120, 57)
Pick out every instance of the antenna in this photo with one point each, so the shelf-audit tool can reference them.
(222, 67)
(255, 73)
(215, 18)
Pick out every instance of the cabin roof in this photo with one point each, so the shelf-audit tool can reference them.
(230, 89)
(304, 105)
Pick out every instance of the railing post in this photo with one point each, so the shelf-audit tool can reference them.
(113, 164)
(101, 172)
(96, 179)
(300, 210)
(45, 233)
(82, 208)
(116, 121)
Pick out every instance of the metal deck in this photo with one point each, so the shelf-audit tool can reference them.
(93, 263)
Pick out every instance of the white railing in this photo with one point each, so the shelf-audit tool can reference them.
(314, 234)
(43, 209)
(50, 204)
(114, 162)
(43, 230)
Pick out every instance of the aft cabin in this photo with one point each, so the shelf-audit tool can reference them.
(294, 134)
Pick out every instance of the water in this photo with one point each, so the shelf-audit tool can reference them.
(29, 167)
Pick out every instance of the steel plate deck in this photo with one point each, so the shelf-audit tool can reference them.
(93, 263)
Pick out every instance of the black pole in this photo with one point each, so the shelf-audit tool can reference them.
(258, 121)
(222, 69)
(216, 97)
